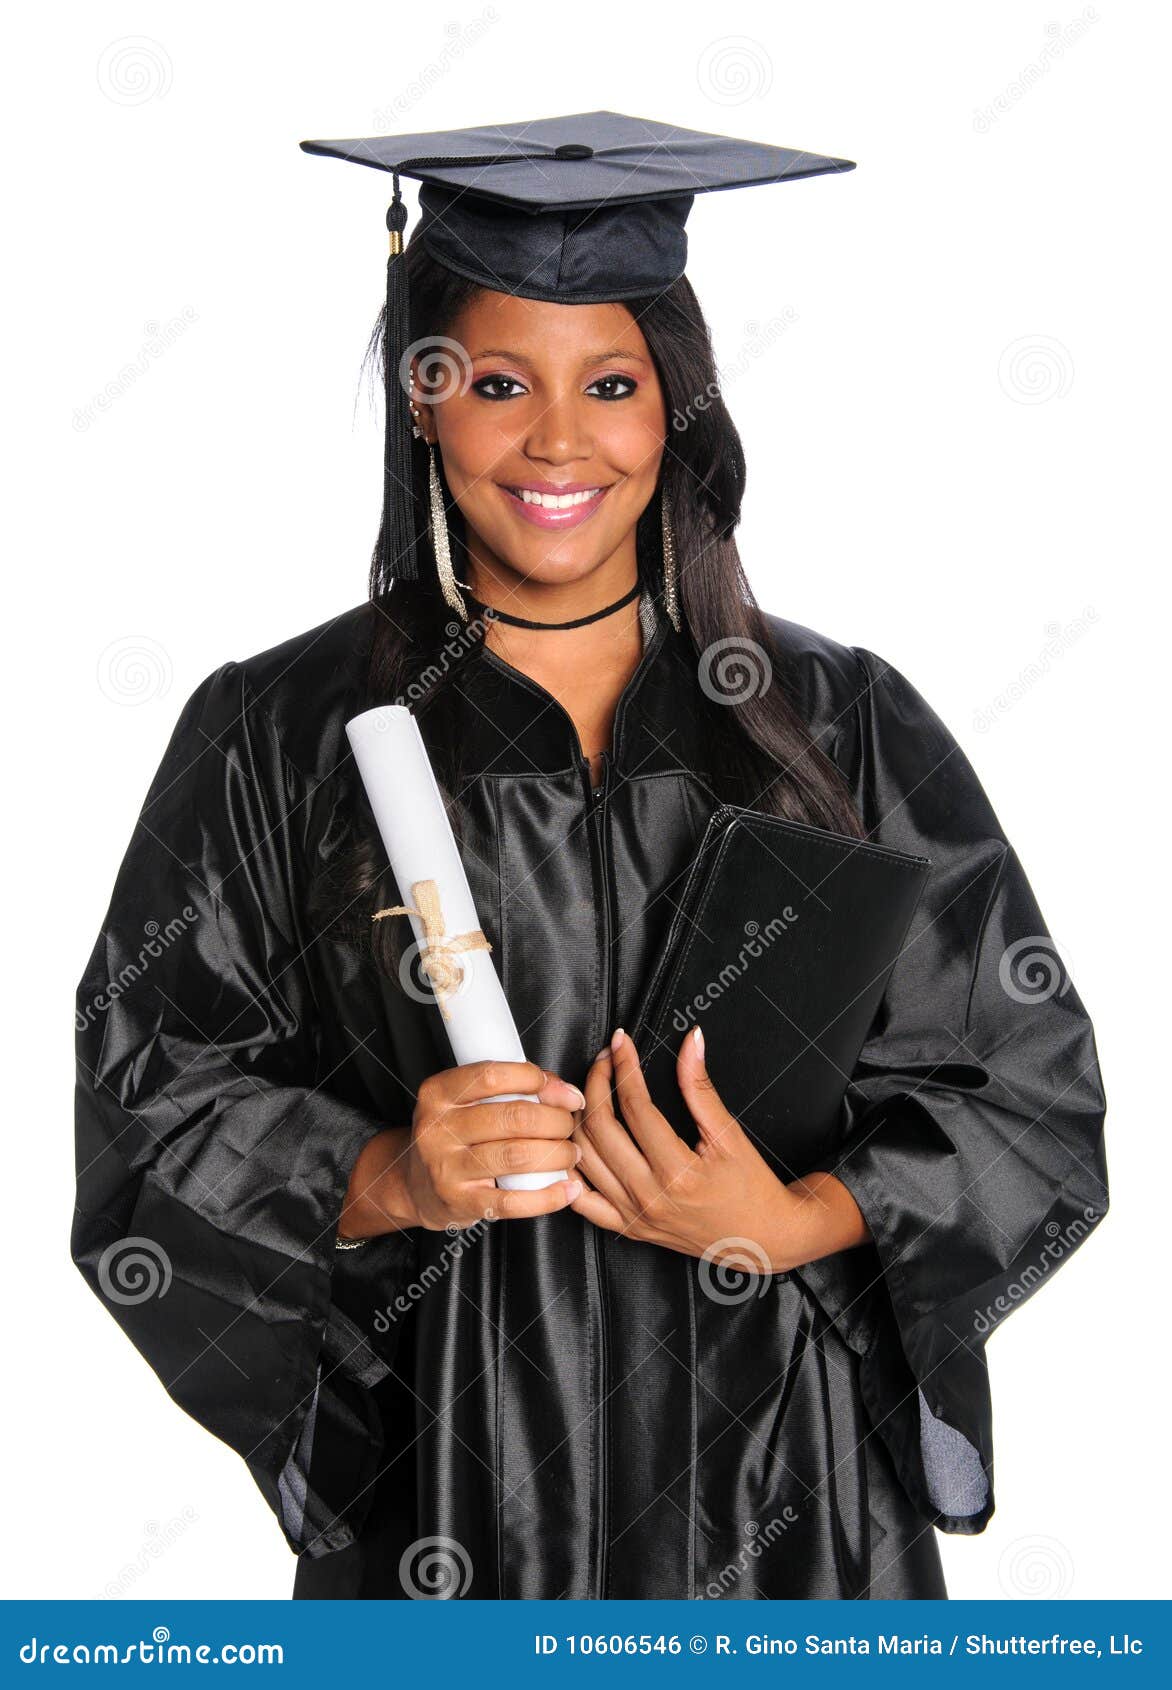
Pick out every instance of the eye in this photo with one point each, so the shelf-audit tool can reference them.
(486, 382)
(626, 382)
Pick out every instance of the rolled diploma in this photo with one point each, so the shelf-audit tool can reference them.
(413, 825)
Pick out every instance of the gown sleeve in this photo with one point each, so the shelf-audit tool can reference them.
(213, 1156)
(974, 1118)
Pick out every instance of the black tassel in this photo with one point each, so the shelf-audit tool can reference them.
(398, 559)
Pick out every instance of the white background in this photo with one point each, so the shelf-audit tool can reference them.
(957, 459)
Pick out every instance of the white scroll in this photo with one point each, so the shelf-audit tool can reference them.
(421, 848)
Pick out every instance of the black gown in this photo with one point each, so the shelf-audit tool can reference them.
(539, 1408)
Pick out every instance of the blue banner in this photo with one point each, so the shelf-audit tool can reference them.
(679, 1643)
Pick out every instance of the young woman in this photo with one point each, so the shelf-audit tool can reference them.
(286, 1190)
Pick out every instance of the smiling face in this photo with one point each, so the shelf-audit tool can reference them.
(552, 451)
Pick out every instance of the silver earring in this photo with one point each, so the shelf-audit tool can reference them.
(671, 589)
(416, 431)
(439, 541)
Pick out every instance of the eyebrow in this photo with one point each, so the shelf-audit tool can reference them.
(608, 357)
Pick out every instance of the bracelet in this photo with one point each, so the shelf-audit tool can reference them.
(350, 1243)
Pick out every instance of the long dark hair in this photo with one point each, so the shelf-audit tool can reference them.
(763, 753)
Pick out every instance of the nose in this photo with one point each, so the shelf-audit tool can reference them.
(559, 435)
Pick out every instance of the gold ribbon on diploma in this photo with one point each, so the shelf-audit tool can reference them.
(437, 954)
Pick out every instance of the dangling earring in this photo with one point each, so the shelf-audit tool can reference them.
(671, 591)
(439, 540)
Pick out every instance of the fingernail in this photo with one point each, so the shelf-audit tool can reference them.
(573, 1187)
(581, 1103)
(617, 1038)
(577, 1154)
(698, 1040)
(603, 1054)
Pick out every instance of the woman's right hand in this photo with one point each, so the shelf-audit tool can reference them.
(441, 1171)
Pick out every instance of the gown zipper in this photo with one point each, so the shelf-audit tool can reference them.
(599, 819)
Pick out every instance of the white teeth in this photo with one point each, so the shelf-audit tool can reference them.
(556, 501)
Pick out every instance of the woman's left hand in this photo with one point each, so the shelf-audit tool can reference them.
(721, 1200)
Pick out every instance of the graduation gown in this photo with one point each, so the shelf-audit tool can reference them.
(538, 1408)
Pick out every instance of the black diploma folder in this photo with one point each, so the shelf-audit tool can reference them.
(780, 949)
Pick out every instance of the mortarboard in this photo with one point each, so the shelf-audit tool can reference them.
(576, 210)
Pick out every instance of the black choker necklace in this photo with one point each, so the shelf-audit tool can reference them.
(524, 622)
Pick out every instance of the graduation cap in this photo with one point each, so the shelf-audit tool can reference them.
(576, 210)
